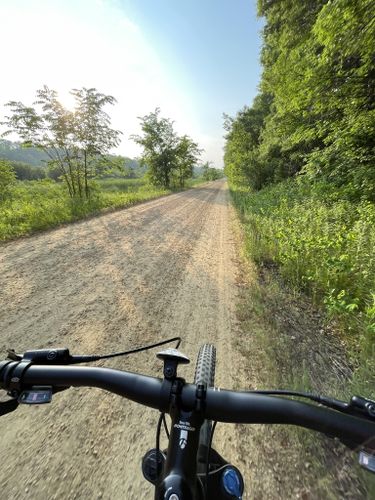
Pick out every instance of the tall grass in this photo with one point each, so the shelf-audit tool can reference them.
(38, 205)
(323, 244)
(119, 184)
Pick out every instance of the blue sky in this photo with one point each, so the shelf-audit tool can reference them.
(195, 59)
(211, 48)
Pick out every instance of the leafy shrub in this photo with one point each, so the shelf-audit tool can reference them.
(322, 243)
(7, 178)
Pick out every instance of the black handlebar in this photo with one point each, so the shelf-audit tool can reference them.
(220, 405)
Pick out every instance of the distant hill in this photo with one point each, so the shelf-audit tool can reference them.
(15, 152)
(198, 171)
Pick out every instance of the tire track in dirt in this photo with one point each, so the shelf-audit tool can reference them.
(157, 270)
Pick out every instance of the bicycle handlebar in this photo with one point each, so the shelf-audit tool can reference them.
(220, 405)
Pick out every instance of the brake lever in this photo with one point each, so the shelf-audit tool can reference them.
(364, 406)
(358, 406)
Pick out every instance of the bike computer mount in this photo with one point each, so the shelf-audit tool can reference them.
(172, 358)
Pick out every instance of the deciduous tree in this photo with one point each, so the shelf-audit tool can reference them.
(75, 141)
(167, 156)
(187, 156)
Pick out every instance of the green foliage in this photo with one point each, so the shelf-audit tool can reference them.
(314, 118)
(169, 158)
(93, 135)
(159, 143)
(123, 167)
(322, 244)
(76, 142)
(7, 178)
(27, 172)
(211, 173)
(313, 121)
(242, 144)
(38, 205)
(14, 152)
(318, 80)
(187, 155)
(31, 163)
(120, 184)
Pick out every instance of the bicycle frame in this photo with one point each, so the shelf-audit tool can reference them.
(180, 470)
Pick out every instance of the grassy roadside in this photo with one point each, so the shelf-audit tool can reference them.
(40, 205)
(288, 342)
(323, 245)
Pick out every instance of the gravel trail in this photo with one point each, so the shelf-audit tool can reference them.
(165, 268)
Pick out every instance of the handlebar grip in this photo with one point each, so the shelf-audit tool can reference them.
(3, 365)
(6, 368)
(250, 408)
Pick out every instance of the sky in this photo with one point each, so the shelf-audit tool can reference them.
(195, 59)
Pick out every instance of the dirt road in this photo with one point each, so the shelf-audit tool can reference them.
(164, 268)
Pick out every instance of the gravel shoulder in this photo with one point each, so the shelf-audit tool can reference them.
(164, 268)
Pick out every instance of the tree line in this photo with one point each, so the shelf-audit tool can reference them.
(13, 151)
(77, 143)
(315, 111)
(32, 164)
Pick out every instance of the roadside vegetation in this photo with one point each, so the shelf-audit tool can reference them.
(62, 170)
(323, 245)
(37, 205)
(300, 162)
(29, 206)
(301, 166)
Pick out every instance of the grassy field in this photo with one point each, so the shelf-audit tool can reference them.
(38, 205)
(122, 185)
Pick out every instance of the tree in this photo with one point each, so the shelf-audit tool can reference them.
(187, 156)
(243, 138)
(160, 147)
(315, 113)
(75, 141)
(13, 151)
(7, 178)
(318, 60)
(211, 173)
(93, 134)
(27, 172)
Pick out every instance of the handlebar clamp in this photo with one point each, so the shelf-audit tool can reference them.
(200, 397)
(15, 383)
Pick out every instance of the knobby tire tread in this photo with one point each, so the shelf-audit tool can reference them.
(205, 374)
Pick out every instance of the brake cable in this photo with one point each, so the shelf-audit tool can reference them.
(62, 355)
(208, 456)
(356, 405)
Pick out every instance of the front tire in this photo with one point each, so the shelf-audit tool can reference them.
(205, 374)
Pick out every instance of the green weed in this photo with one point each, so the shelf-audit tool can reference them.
(324, 245)
(38, 205)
